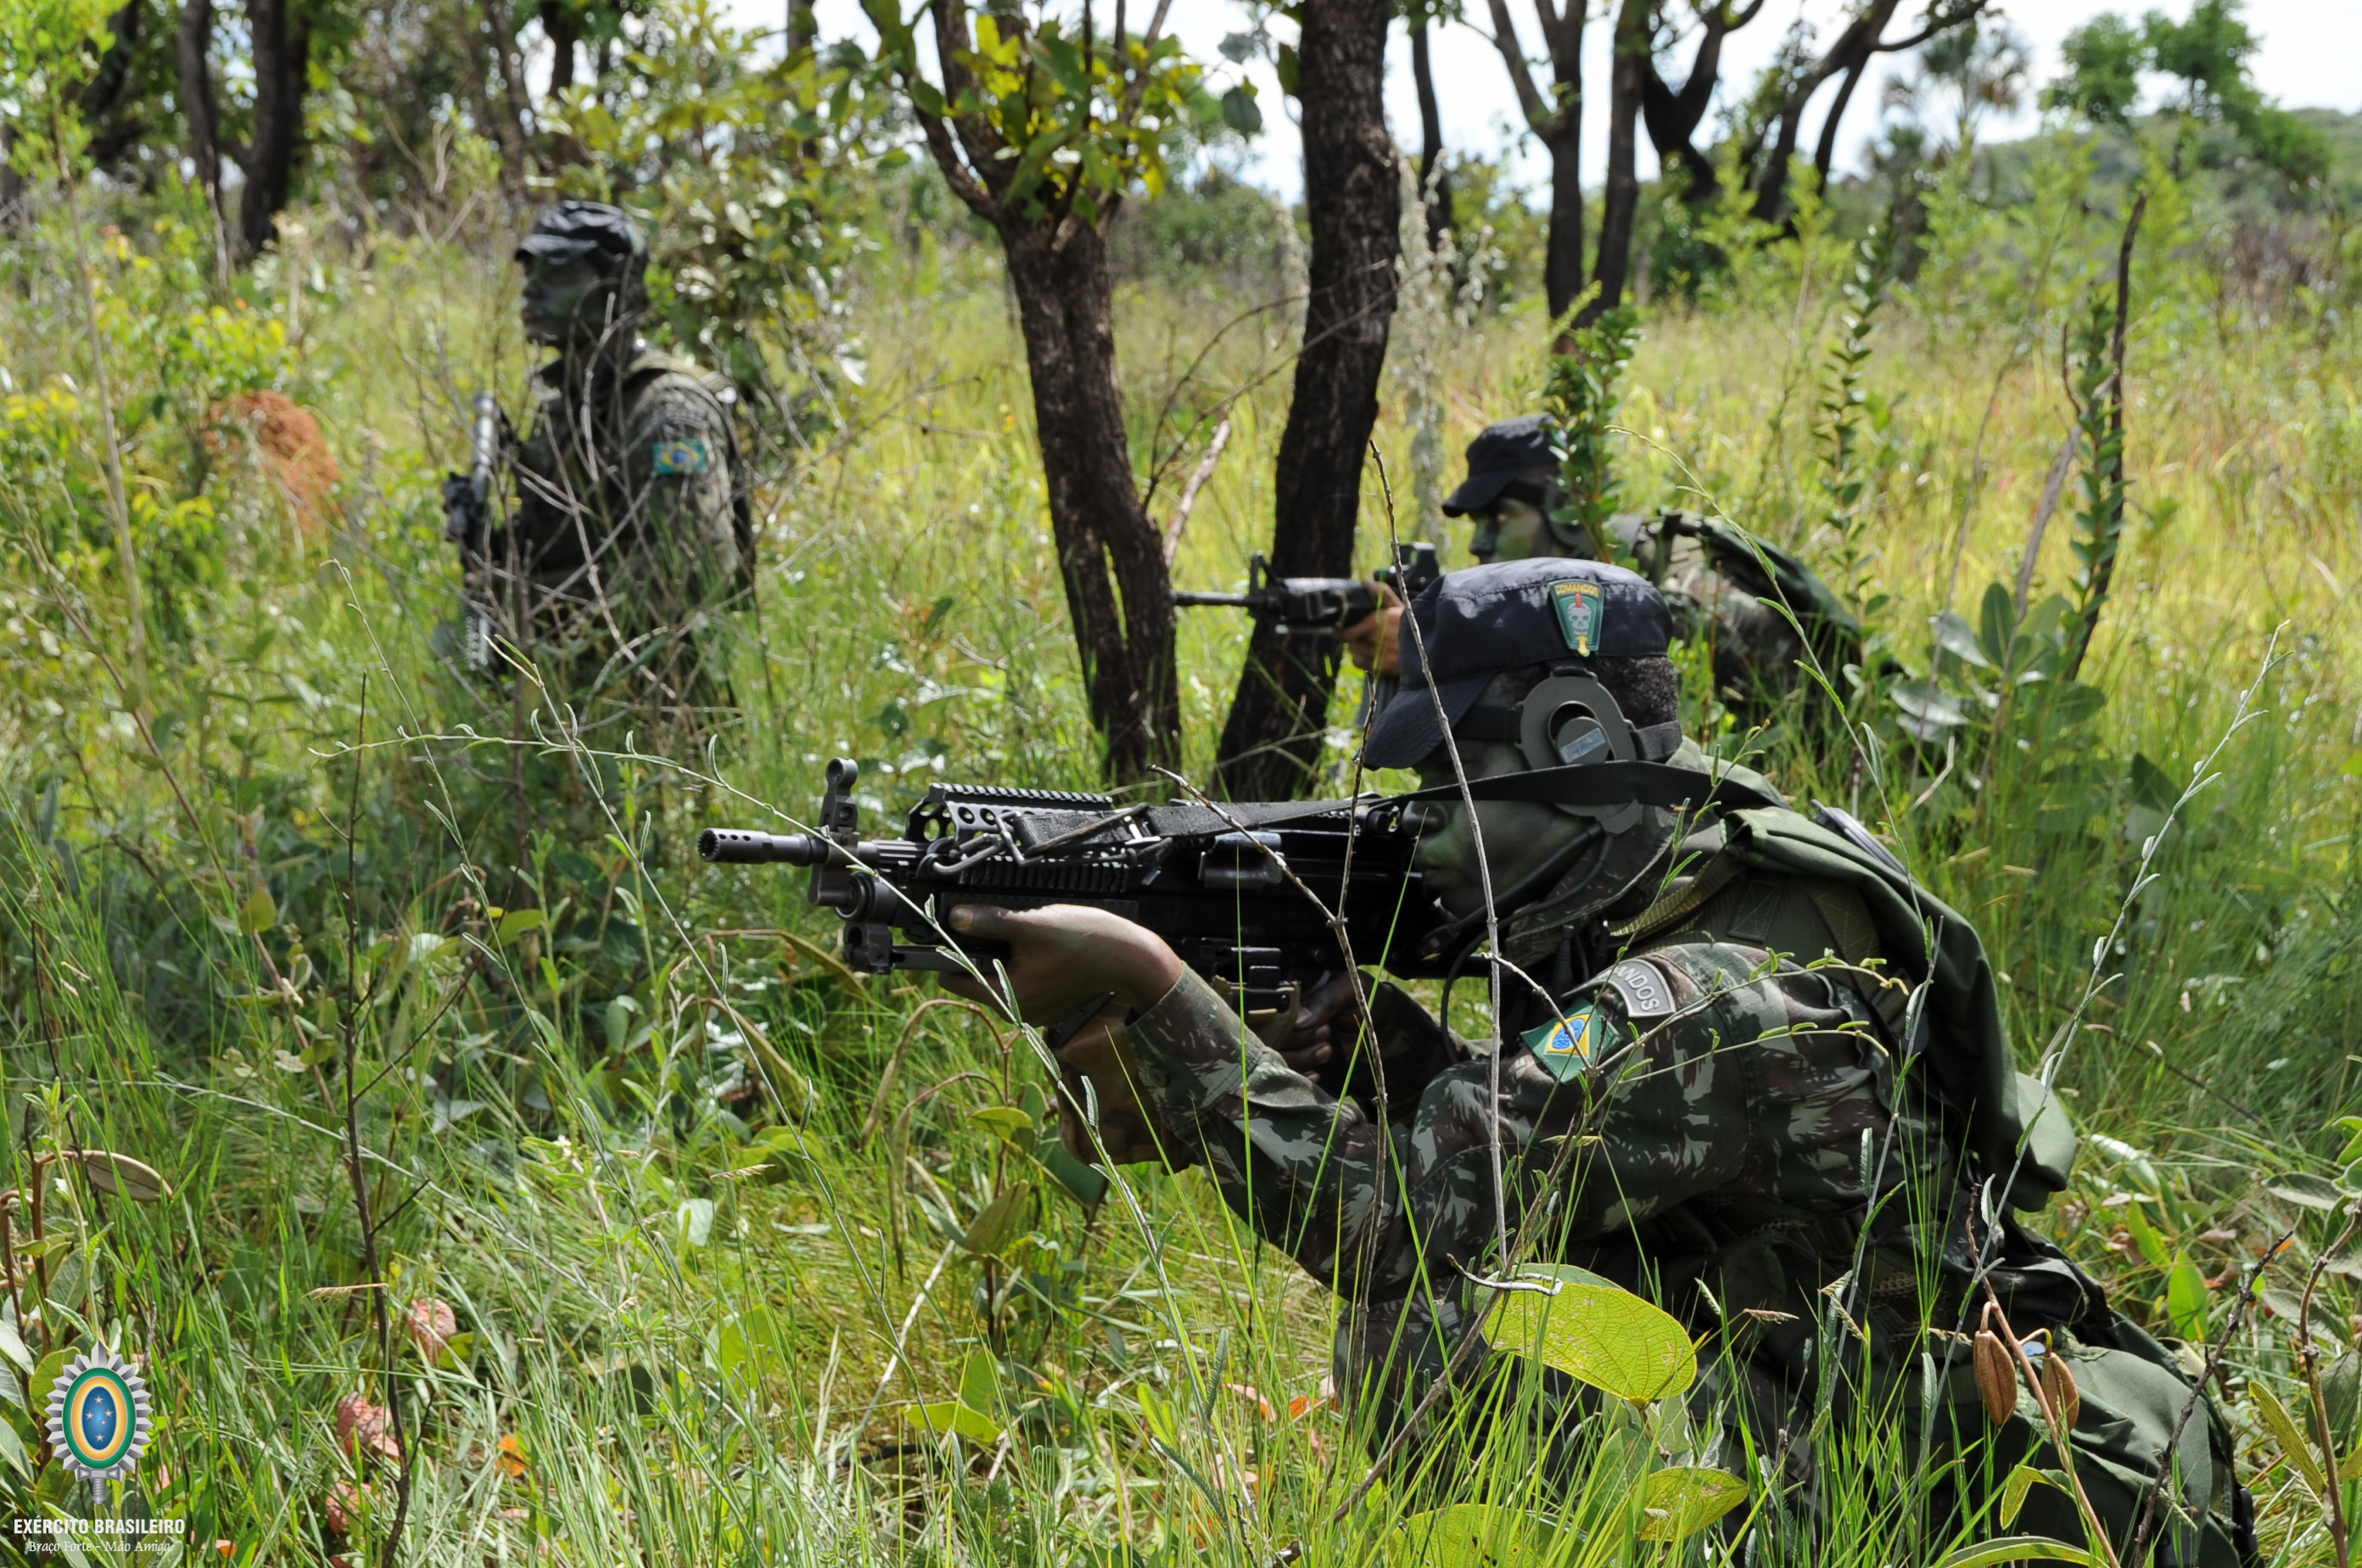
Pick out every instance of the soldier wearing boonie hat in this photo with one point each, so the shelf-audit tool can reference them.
(1750, 1067)
(631, 530)
(1722, 585)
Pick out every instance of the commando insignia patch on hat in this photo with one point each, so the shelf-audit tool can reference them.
(1582, 614)
(681, 457)
(1567, 1045)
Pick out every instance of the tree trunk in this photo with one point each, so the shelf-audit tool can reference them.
(1110, 556)
(1620, 209)
(196, 85)
(1562, 251)
(106, 103)
(508, 112)
(557, 24)
(1674, 118)
(281, 52)
(1434, 188)
(803, 28)
(1825, 154)
(1352, 195)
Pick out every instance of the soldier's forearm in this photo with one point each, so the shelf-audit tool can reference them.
(1302, 1166)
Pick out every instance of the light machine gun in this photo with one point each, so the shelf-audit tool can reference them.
(1219, 886)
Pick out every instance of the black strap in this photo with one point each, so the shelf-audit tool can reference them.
(1608, 784)
(1499, 722)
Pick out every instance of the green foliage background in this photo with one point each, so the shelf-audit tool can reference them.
(284, 899)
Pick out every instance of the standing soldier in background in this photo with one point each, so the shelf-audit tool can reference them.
(630, 536)
(1723, 586)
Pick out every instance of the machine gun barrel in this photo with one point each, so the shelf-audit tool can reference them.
(1227, 888)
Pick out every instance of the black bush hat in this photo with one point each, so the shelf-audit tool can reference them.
(1485, 621)
(575, 231)
(1498, 455)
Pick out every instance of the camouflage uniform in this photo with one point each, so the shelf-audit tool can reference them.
(1726, 588)
(1738, 1113)
(630, 535)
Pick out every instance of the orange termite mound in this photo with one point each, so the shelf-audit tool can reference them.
(293, 452)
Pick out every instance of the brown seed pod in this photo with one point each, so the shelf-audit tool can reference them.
(2058, 1388)
(1996, 1378)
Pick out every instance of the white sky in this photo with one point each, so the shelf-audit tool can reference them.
(2311, 57)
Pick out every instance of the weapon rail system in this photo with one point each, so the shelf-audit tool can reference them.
(1220, 886)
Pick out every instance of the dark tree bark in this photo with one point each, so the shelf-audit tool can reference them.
(1620, 207)
(803, 28)
(1557, 124)
(1848, 57)
(1434, 188)
(1110, 556)
(1673, 116)
(1352, 195)
(281, 52)
(559, 26)
(106, 102)
(196, 84)
(509, 109)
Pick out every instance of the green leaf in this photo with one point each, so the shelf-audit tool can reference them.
(124, 1176)
(2022, 1480)
(995, 1224)
(1680, 1502)
(2307, 1191)
(258, 914)
(2185, 1300)
(1957, 637)
(979, 1383)
(950, 1416)
(1240, 111)
(2283, 1428)
(1596, 1333)
(516, 922)
(1473, 1535)
(2152, 1245)
(12, 1448)
(44, 1380)
(1003, 1121)
(2013, 1549)
(11, 1345)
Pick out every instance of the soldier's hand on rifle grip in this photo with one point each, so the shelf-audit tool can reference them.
(1375, 642)
(1305, 1034)
(1061, 957)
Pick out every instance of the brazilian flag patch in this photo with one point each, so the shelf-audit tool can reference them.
(1569, 1045)
(681, 457)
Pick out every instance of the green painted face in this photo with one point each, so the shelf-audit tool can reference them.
(563, 301)
(1519, 837)
(1512, 530)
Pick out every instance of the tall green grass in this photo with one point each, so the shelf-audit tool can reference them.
(697, 1198)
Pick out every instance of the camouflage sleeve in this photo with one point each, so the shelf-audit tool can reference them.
(677, 458)
(1305, 1167)
(1757, 1080)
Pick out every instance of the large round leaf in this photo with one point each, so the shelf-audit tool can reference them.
(1595, 1331)
(1472, 1535)
(1679, 1503)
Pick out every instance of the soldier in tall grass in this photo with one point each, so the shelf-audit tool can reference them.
(630, 537)
(1744, 1064)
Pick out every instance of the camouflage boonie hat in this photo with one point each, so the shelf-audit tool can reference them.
(1488, 620)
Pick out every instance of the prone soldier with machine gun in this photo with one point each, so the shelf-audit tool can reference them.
(1742, 1063)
